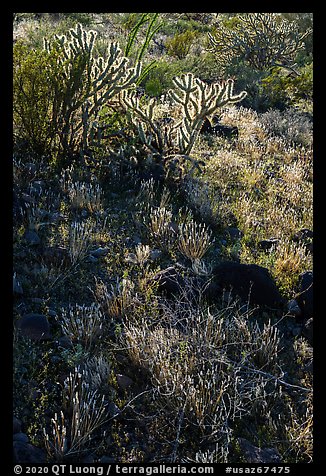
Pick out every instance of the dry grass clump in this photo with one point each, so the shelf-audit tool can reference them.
(82, 324)
(88, 196)
(291, 124)
(215, 368)
(194, 240)
(87, 412)
(160, 229)
(300, 431)
(290, 261)
(80, 234)
(114, 299)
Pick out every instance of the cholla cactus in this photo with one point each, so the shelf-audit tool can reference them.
(199, 100)
(196, 101)
(88, 82)
(262, 39)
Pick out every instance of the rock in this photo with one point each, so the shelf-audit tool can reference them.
(304, 297)
(31, 168)
(293, 308)
(123, 381)
(211, 291)
(22, 437)
(56, 217)
(227, 132)
(304, 237)
(91, 259)
(34, 326)
(16, 285)
(37, 187)
(234, 233)
(253, 454)
(65, 342)
(88, 459)
(248, 281)
(307, 330)
(52, 313)
(113, 409)
(17, 425)
(296, 331)
(56, 255)
(268, 245)
(155, 254)
(169, 281)
(27, 453)
(27, 198)
(100, 252)
(32, 238)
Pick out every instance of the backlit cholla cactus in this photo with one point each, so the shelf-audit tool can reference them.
(199, 100)
(262, 40)
(195, 100)
(89, 82)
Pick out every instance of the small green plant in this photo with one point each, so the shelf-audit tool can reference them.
(152, 28)
(180, 45)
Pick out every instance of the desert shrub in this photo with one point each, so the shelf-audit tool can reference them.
(180, 45)
(263, 40)
(211, 370)
(73, 429)
(283, 89)
(291, 124)
(36, 96)
(74, 86)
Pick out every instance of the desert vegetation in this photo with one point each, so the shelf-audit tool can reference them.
(163, 237)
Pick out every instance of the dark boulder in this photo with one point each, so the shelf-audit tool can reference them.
(253, 454)
(268, 245)
(307, 330)
(32, 238)
(233, 233)
(304, 297)
(16, 425)
(55, 255)
(27, 453)
(34, 326)
(248, 281)
(228, 132)
(169, 281)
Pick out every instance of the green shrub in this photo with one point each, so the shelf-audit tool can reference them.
(288, 89)
(36, 96)
(153, 87)
(179, 46)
